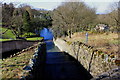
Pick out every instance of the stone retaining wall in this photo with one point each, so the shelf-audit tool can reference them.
(15, 44)
(35, 68)
(113, 74)
(96, 62)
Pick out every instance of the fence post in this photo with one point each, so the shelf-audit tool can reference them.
(86, 38)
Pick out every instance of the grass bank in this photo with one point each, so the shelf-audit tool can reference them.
(12, 68)
(6, 33)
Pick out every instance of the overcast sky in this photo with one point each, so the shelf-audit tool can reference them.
(102, 6)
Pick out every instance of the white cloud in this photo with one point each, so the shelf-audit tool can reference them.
(59, 0)
(103, 8)
(45, 4)
(33, 0)
(100, 5)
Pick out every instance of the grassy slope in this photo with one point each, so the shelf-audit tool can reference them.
(8, 34)
(12, 68)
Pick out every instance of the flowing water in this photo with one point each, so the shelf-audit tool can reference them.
(47, 34)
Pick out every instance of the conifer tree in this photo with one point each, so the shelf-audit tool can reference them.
(26, 21)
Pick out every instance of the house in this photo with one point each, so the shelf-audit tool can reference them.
(102, 27)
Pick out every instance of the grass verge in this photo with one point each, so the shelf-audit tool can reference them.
(5, 39)
(29, 39)
(35, 38)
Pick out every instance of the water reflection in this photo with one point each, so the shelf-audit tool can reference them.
(48, 38)
(51, 47)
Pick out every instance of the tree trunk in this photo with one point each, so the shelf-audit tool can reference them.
(14, 32)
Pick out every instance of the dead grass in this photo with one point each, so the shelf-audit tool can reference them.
(108, 43)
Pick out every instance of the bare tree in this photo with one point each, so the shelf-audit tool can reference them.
(115, 13)
(72, 16)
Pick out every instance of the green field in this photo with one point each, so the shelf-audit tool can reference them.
(8, 35)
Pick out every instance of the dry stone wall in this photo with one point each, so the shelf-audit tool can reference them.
(36, 64)
(96, 62)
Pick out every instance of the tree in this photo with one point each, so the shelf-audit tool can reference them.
(41, 19)
(7, 13)
(73, 16)
(26, 21)
(17, 22)
(25, 7)
(114, 15)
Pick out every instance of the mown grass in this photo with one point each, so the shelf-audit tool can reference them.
(27, 34)
(5, 39)
(34, 38)
(29, 39)
(8, 34)
(12, 68)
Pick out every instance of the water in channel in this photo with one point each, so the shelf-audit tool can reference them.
(60, 65)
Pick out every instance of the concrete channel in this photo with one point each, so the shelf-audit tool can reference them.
(53, 64)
